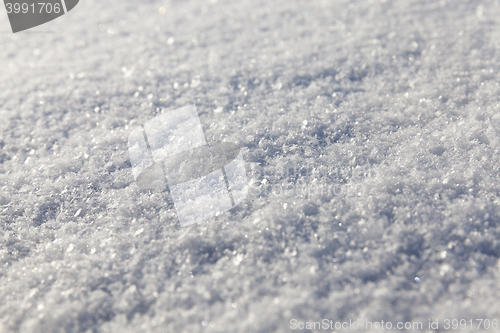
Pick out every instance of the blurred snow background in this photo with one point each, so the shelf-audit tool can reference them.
(397, 100)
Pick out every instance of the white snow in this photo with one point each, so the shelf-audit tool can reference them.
(370, 131)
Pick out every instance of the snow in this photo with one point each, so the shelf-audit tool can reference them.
(370, 134)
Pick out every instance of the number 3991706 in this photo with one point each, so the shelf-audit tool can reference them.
(39, 8)
(479, 324)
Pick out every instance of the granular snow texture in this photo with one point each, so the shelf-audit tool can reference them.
(371, 135)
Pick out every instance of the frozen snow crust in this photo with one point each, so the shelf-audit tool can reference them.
(393, 104)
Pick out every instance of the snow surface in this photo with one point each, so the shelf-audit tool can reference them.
(371, 135)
